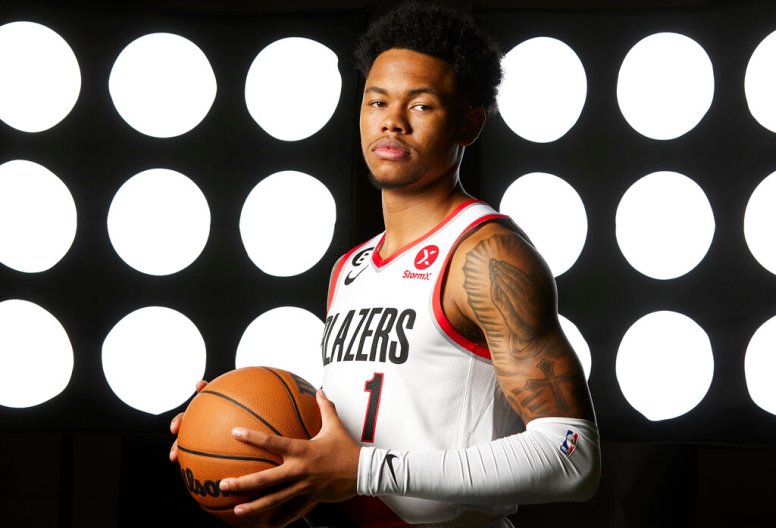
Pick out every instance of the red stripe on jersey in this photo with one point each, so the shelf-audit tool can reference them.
(337, 271)
(380, 262)
(439, 312)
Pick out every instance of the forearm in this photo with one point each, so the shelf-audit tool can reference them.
(530, 467)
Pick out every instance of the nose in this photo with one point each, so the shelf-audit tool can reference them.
(395, 120)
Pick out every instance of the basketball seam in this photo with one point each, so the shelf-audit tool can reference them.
(246, 409)
(293, 400)
(229, 457)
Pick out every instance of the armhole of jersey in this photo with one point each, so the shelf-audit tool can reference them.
(336, 274)
(439, 314)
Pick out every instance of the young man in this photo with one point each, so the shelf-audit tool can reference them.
(457, 395)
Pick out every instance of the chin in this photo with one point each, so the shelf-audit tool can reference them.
(383, 183)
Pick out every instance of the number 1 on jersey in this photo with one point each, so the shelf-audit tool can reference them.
(374, 387)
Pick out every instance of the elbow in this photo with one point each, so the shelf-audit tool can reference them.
(585, 483)
(587, 487)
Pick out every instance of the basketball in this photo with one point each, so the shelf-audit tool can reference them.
(267, 399)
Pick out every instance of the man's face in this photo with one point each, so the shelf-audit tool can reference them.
(412, 120)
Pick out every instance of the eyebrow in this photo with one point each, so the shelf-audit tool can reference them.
(413, 92)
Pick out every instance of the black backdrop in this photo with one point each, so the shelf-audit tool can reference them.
(86, 459)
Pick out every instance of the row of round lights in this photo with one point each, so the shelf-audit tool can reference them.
(159, 221)
(163, 85)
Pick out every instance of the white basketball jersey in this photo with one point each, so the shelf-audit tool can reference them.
(400, 375)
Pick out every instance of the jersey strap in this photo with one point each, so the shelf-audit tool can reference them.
(439, 313)
(338, 270)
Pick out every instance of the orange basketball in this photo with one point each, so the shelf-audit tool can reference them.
(261, 398)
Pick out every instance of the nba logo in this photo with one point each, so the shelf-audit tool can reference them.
(570, 443)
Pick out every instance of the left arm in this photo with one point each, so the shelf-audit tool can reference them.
(502, 284)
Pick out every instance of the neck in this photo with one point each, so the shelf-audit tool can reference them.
(409, 215)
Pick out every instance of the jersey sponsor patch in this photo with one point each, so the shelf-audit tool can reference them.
(426, 257)
(418, 276)
(569, 445)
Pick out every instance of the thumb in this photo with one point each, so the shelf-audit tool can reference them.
(329, 415)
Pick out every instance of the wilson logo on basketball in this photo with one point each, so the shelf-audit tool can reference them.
(208, 488)
(426, 257)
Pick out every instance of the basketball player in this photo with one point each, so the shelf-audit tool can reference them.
(457, 395)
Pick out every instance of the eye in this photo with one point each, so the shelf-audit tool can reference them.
(377, 104)
(422, 107)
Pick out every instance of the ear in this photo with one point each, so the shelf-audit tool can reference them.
(474, 120)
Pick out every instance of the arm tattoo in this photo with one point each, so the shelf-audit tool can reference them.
(504, 298)
(539, 387)
(510, 291)
(512, 307)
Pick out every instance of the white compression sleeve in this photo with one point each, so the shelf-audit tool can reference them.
(555, 459)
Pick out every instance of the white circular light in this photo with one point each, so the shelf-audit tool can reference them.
(664, 225)
(40, 76)
(162, 85)
(654, 341)
(760, 83)
(578, 343)
(36, 357)
(760, 223)
(665, 85)
(153, 358)
(760, 366)
(543, 90)
(159, 222)
(286, 72)
(278, 200)
(552, 214)
(288, 338)
(37, 217)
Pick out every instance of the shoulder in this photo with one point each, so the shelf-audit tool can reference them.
(337, 265)
(358, 253)
(503, 242)
(357, 256)
(497, 267)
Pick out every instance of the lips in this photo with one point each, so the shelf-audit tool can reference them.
(390, 149)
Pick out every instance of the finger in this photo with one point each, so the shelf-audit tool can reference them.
(258, 481)
(175, 424)
(174, 452)
(275, 443)
(324, 403)
(270, 500)
(329, 417)
(201, 384)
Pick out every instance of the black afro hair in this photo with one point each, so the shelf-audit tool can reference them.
(444, 33)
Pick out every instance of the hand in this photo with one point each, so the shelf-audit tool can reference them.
(175, 425)
(323, 469)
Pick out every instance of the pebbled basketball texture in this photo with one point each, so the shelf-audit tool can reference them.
(262, 398)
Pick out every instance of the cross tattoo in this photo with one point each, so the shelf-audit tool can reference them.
(550, 380)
